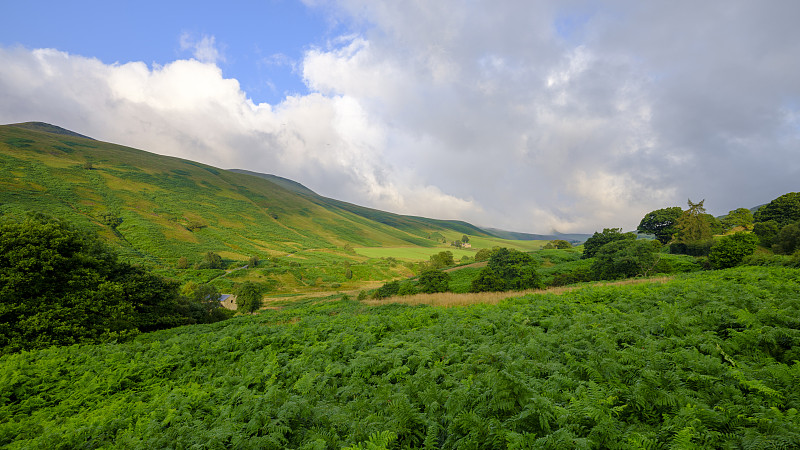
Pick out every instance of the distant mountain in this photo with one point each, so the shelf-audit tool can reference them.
(161, 208)
(570, 237)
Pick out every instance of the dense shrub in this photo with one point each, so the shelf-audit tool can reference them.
(626, 258)
(787, 240)
(730, 251)
(694, 248)
(507, 270)
(434, 281)
(60, 285)
(387, 290)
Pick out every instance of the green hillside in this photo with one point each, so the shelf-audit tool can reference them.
(410, 224)
(158, 208)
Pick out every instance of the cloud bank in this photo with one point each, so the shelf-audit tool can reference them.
(569, 116)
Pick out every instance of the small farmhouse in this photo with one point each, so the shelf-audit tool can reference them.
(228, 301)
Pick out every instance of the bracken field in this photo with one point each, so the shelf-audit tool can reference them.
(704, 360)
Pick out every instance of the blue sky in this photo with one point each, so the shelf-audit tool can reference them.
(259, 41)
(567, 115)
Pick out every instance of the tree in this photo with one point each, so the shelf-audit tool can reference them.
(783, 210)
(253, 261)
(387, 290)
(248, 297)
(739, 217)
(507, 270)
(465, 239)
(183, 263)
(597, 240)
(441, 259)
(60, 285)
(714, 224)
(561, 244)
(691, 225)
(483, 254)
(201, 303)
(766, 232)
(434, 281)
(487, 281)
(787, 240)
(626, 258)
(729, 251)
(211, 260)
(661, 223)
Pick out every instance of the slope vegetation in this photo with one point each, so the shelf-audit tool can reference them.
(160, 208)
(708, 360)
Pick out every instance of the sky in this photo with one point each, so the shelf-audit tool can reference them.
(531, 116)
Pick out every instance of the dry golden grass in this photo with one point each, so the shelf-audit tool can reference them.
(449, 299)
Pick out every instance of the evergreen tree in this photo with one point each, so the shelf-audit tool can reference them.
(691, 225)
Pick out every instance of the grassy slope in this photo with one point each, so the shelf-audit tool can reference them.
(160, 198)
(412, 224)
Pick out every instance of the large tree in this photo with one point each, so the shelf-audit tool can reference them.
(434, 281)
(597, 240)
(60, 285)
(729, 251)
(739, 217)
(661, 223)
(692, 225)
(626, 258)
(783, 210)
(507, 270)
(248, 296)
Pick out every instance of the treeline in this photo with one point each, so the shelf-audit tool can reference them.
(685, 240)
(60, 285)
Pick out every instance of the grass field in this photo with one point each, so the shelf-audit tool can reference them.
(411, 253)
(421, 254)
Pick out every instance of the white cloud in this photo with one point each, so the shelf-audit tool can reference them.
(572, 116)
(188, 109)
(204, 50)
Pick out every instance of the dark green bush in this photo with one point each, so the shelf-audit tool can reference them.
(730, 251)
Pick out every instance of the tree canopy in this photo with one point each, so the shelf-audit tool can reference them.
(441, 259)
(434, 281)
(661, 223)
(783, 210)
(626, 258)
(60, 286)
(597, 240)
(248, 296)
(729, 251)
(507, 270)
(739, 217)
(692, 226)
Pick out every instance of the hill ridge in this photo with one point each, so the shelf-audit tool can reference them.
(48, 128)
(160, 208)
